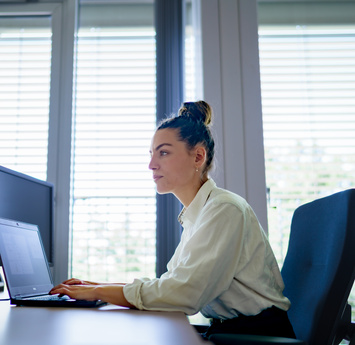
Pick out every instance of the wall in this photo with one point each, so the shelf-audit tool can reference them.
(231, 84)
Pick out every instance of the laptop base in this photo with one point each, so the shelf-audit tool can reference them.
(62, 304)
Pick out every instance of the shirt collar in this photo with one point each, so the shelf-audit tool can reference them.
(190, 213)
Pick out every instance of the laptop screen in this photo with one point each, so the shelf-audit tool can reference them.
(25, 265)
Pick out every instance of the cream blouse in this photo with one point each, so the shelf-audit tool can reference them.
(222, 266)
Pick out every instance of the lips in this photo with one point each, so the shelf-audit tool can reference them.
(157, 177)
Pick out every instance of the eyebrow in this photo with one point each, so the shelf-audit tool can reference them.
(160, 146)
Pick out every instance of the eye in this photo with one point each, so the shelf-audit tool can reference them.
(163, 153)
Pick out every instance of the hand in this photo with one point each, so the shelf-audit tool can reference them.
(77, 290)
(80, 289)
(76, 281)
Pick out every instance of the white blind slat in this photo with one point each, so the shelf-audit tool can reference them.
(25, 63)
(307, 82)
(114, 196)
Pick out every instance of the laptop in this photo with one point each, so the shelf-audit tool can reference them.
(26, 270)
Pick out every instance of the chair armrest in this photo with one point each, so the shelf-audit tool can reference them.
(346, 328)
(243, 339)
(351, 334)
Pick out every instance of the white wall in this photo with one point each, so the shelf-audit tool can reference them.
(231, 84)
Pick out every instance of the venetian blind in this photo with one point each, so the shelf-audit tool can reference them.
(113, 198)
(25, 66)
(308, 88)
(307, 81)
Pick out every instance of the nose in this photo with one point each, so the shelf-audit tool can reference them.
(152, 164)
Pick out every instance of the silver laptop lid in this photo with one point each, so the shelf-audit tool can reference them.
(23, 258)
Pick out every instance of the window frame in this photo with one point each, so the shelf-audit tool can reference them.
(64, 27)
(121, 39)
(58, 131)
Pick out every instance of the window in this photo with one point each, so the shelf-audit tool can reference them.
(307, 78)
(307, 83)
(25, 69)
(113, 195)
(79, 119)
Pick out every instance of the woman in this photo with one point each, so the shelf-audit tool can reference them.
(223, 265)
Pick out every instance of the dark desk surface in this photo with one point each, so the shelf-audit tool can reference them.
(107, 325)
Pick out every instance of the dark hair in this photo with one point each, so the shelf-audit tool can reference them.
(193, 122)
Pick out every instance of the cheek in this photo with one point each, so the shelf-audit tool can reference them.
(184, 170)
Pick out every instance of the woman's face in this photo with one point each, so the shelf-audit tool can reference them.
(173, 165)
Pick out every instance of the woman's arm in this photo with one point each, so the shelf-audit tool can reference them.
(76, 281)
(202, 267)
(75, 288)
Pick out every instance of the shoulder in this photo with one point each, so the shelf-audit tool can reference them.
(221, 196)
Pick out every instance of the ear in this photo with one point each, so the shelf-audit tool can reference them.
(200, 156)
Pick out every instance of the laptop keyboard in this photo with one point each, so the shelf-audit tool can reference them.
(49, 298)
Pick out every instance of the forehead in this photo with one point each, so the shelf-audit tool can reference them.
(166, 136)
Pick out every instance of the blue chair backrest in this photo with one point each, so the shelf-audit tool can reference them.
(319, 267)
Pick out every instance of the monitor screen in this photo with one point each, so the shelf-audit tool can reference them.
(26, 199)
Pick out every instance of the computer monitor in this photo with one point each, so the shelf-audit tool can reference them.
(27, 199)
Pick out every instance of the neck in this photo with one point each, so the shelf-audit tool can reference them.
(186, 196)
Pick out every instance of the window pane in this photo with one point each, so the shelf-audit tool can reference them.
(307, 81)
(25, 66)
(113, 205)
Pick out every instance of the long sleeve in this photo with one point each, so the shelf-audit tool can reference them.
(222, 266)
(202, 268)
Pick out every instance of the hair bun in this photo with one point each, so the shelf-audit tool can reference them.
(199, 110)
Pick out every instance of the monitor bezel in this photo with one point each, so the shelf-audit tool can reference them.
(48, 185)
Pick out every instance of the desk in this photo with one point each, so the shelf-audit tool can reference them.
(107, 325)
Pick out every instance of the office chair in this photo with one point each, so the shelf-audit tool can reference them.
(318, 272)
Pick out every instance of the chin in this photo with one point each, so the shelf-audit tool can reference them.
(162, 191)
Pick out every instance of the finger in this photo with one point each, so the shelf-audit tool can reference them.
(56, 287)
(73, 281)
(64, 292)
(59, 289)
(55, 290)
